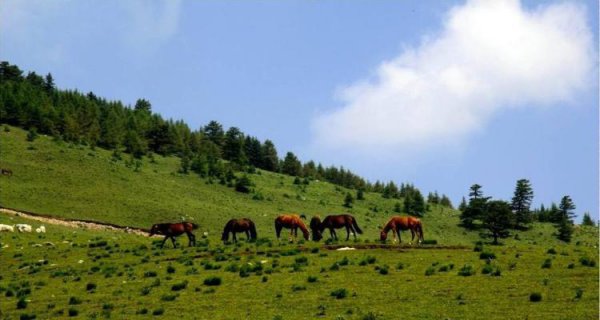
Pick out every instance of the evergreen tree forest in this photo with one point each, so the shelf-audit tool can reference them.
(33, 102)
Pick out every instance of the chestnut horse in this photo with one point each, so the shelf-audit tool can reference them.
(292, 222)
(239, 225)
(334, 222)
(172, 230)
(399, 223)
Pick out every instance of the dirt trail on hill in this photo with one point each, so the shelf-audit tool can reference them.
(81, 224)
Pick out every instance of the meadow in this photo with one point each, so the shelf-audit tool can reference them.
(72, 272)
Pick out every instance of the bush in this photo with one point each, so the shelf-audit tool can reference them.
(486, 255)
(150, 274)
(487, 269)
(311, 279)
(74, 301)
(430, 241)
(430, 271)
(158, 312)
(213, 281)
(535, 297)
(586, 261)
(73, 312)
(298, 287)
(551, 251)
(22, 303)
(25, 316)
(169, 297)
(478, 246)
(547, 264)
(179, 286)
(170, 269)
(90, 286)
(466, 271)
(339, 293)
(384, 270)
(243, 184)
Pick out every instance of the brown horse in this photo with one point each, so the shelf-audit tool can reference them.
(172, 230)
(334, 222)
(292, 222)
(399, 223)
(239, 225)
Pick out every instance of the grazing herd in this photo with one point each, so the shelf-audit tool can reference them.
(293, 222)
(21, 227)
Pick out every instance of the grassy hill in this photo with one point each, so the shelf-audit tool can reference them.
(102, 274)
(78, 182)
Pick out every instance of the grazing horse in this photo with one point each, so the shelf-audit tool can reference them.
(399, 223)
(239, 225)
(292, 222)
(172, 230)
(334, 222)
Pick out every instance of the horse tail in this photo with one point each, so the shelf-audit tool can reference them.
(252, 231)
(420, 229)
(355, 225)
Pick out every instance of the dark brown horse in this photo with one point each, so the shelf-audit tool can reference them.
(172, 230)
(239, 225)
(334, 222)
(399, 223)
(292, 222)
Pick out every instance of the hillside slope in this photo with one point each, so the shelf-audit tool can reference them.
(78, 182)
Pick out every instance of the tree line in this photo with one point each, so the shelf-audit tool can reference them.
(498, 217)
(33, 102)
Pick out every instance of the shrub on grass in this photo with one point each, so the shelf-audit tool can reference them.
(74, 301)
(339, 293)
(26, 316)
(535, 297)
(571, 265)
(169, 297)
(150, 274)
(430, 271)
(466, 271)
(158, 312)
(22, 303)
(578, 293)
(487, 269)
(384, 270)
(551, 251)
(90, 286)
(142, 311)
(298, 287)
(213, 281)
(311, 279)
(73, 312)
(430, 242)
(179, 286)
(587, 261)
(547, 264)
(487, 255)
(170, 269)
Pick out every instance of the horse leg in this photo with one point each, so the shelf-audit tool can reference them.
(247, 235)
(399, 237)
(278, 231)
(348, 233)
(162, 245)
(331, 233)
(334, 233)
(412, 232)
(173, 240)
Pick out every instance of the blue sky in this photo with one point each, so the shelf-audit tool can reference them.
(443, 94)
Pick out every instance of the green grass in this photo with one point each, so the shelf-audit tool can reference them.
(74, 181)
(119, 275)
(53, 281)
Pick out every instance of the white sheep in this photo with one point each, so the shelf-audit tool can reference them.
(23, 227)
(41, 229)
(6, 228)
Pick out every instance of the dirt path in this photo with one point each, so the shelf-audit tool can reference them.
(81, 224)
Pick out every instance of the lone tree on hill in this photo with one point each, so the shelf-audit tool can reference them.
(348, 200)
(498, 219)
(565, 216)
(521, 202)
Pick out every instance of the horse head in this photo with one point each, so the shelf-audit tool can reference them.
(315, 227)
(155, 230)
(383, 235)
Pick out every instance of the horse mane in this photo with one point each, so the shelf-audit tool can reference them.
(304, 230)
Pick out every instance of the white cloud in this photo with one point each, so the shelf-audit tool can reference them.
(489, 56)
(152, 22)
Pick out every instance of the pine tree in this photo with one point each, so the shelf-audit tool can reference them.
(233, 146)
(291, 165)
(587, 220)
(348, 200)
(566, 208)
(521, 202)
(270, 160)
(445, 201)
(463, 205)
(49, 83)
(565, 229)
(498, 219)
(360, 194)
(475, 192)
(214, 132)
